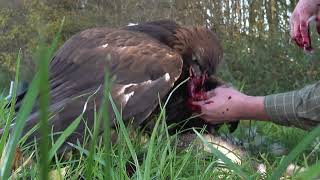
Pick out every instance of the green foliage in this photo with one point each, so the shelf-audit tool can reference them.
(19, 124)
(295, 152)
(257, 53)
(269, 65)
(232, 166)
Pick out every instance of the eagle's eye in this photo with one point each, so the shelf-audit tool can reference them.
(194, 57)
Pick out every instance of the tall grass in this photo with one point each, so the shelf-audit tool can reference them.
(44, 56)
(11, 146)
(307, 140)
(155, 156)
(12, 104)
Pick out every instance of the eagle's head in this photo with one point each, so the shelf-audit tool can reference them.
(201, 52)
(200, 49)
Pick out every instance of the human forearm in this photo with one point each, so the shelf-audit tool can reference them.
(299, 108)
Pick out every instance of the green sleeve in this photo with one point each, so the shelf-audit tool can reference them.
(299, 108)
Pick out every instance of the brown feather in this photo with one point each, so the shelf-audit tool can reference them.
(145, 62)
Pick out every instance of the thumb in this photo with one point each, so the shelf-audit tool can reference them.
(294, 27)
(197, 103)
(195, 106)
(295, 32)
(210, 93)
(305, 34)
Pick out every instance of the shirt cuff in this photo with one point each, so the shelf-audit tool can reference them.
(281, 107)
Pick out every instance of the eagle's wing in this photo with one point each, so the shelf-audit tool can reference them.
(141, 68)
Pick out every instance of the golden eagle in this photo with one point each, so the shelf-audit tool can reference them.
(145, 62)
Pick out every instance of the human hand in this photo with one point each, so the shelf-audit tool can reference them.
(304, 12)
(223, 105)
(226, 104)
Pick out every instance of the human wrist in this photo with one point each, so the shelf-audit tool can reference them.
(253, 108)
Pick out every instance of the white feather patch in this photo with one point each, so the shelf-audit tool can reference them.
(132, 24)
(126, 97)
(86, 103)
(123, 48)
(105, 45)
(167, 77)
(123, 88)
(169, 55)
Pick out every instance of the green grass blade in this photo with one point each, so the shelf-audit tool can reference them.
(90, 159)
(86, 152)
(54, 43)
(13, 102)
(125, 134)
(163, 159)
(310, 173)
(44, 57)
(65, 134)
(25, 110)
(103, 116)
(44, 113)
(148, 159)
(22, 115)
(307, 140)
(184, 162)
(224, 158)
(107, 130)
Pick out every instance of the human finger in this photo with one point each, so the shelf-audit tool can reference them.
(295, 32)
(305, 34)
(293, 25)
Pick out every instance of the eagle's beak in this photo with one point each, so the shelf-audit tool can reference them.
(195, 71)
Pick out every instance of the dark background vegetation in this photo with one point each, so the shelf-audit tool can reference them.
(259, 56)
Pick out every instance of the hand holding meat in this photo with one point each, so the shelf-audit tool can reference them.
(305, 12)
